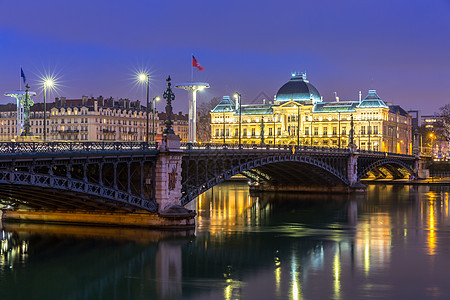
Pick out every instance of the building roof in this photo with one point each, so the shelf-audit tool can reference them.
(298, 89)
(396, 109)
(372, 100)
(257, 109)
(225, 105)
(333, 107)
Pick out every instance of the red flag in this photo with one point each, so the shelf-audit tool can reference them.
(195, 64)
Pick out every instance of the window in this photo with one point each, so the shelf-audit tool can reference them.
(325, 131)
(375, 129)
(344, 131)
(363, 129)
(236, 132)
(245, 132)
(217, 132)
(253, 132)
(334, 130)
(316, 130)
(306, 130)
(270, 131)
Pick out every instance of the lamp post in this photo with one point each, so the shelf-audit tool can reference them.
(145, 77)
(432, 137)
(237, 96)
(153, 117)
(274, 135)
(224, 126)
(48, 83)
(262, 130)
(339, 129)
(369, 133)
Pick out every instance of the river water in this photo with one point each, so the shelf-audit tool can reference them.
(392, 242)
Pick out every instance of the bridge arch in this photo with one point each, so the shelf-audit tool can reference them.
(47, 190)
(363, 170)
(257, 168)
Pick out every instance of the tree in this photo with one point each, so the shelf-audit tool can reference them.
(204, 119)
(442, 127)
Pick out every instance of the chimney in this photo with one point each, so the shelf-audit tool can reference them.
(360, 96)
(101, 101)
(84, 100)
(63, 101)
(336, 96)
(95, 105)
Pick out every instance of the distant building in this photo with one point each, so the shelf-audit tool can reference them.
(180, 125)
(298, 115)
(85, 119)
(429, 121)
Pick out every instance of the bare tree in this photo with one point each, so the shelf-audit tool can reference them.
(204, 119)
(442, 126)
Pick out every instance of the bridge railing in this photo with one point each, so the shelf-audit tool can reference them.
(216, 146)
(45, 147)
(390, 154)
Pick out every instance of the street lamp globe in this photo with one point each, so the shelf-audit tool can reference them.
(48, 83)
(142, 77)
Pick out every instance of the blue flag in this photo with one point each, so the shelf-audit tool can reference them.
(23, 76)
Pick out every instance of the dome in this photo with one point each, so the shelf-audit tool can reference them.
(298, 88)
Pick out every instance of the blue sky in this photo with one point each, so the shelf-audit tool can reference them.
(400, 48)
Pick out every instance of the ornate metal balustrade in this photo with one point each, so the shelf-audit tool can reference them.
(43, 147)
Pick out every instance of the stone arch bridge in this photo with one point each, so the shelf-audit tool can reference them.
(142, 177)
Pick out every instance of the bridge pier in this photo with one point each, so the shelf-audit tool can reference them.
(168, 177)
(352, 171)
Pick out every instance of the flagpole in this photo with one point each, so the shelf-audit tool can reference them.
(20, 79)
(192, 68)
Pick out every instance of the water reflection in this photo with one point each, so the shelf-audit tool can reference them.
(393, 242)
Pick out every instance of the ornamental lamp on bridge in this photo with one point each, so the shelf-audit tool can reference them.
(192, 88)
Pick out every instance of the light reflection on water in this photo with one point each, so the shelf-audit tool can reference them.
(393, 242)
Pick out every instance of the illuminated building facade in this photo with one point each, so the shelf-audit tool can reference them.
(85, 119)
(298, 115)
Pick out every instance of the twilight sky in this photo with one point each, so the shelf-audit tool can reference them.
(401, 48)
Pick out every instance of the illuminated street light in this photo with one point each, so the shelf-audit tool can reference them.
(48, 83)
(153, 117)
(145, 77)
(192, 88)
(237, 96)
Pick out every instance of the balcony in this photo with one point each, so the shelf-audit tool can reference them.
(108, 131)
(68, 131)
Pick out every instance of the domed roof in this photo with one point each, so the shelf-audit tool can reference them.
(298, 88)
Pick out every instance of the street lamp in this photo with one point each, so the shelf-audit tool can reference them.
(432, 136)
(339, 129)
(48, 83)
(298, 124)
(153, 117)
(224, 126)
(274, 134)
(143, 77)
(237, 96)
